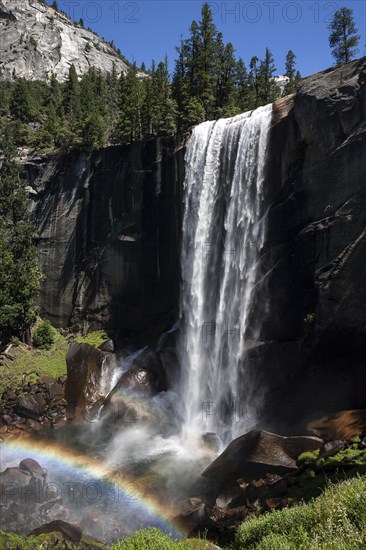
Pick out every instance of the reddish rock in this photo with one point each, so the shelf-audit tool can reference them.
(341, 425)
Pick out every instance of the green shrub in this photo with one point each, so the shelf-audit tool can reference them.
(154, 539)
(14, 340)
(307, 457)
(44, 335)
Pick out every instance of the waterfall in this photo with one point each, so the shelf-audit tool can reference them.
(223, 234)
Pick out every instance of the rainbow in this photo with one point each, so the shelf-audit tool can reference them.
(94, 468)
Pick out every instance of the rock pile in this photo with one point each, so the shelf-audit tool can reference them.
(33, 406)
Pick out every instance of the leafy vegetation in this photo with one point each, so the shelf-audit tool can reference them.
(44, 335)
(335, 520)
(19, 270)
(95, 338)
(29, 364)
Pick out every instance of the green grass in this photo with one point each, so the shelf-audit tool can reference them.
(95, 338)
(31, 360)
(154, 539)
(336, 520)
(41, 362)
(9, 541)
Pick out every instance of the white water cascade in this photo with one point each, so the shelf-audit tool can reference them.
(223, 234)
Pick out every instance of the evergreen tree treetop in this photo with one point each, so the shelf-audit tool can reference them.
(343, 38)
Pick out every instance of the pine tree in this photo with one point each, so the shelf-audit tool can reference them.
(206, 57)
(112, 92)
(268, 89)
(244, 93)
(55, 96)
(93, 132)
(71, 95)
(20, 101)
(163, 105)
(225, 79)
(19, 270)
(254, 80)
(190, 110)
(343, 38)
(130, 102)
(292, 74)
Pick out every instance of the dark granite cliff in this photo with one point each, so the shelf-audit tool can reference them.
(313, 355)
(108, 229)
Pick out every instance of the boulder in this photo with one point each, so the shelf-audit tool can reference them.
(31, 406)
(150, 362)
(32, 467)
(70, 532)
(341, 425)
(253, 455)
(88, 373)
(137, 381)
(57, 391)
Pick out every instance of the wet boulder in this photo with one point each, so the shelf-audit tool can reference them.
(138, 381)
(150, 362)
(257, 453)
(89, 371)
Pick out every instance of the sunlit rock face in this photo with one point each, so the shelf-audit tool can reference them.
(36, 42)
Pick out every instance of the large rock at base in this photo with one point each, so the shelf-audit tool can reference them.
(87, 367)
(341, 425)
(253, 455)
(70, 532)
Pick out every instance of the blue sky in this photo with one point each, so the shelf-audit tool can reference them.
(150, 29)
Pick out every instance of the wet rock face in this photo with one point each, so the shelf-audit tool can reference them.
(87, 369)
(108, 230)
(37, 41)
